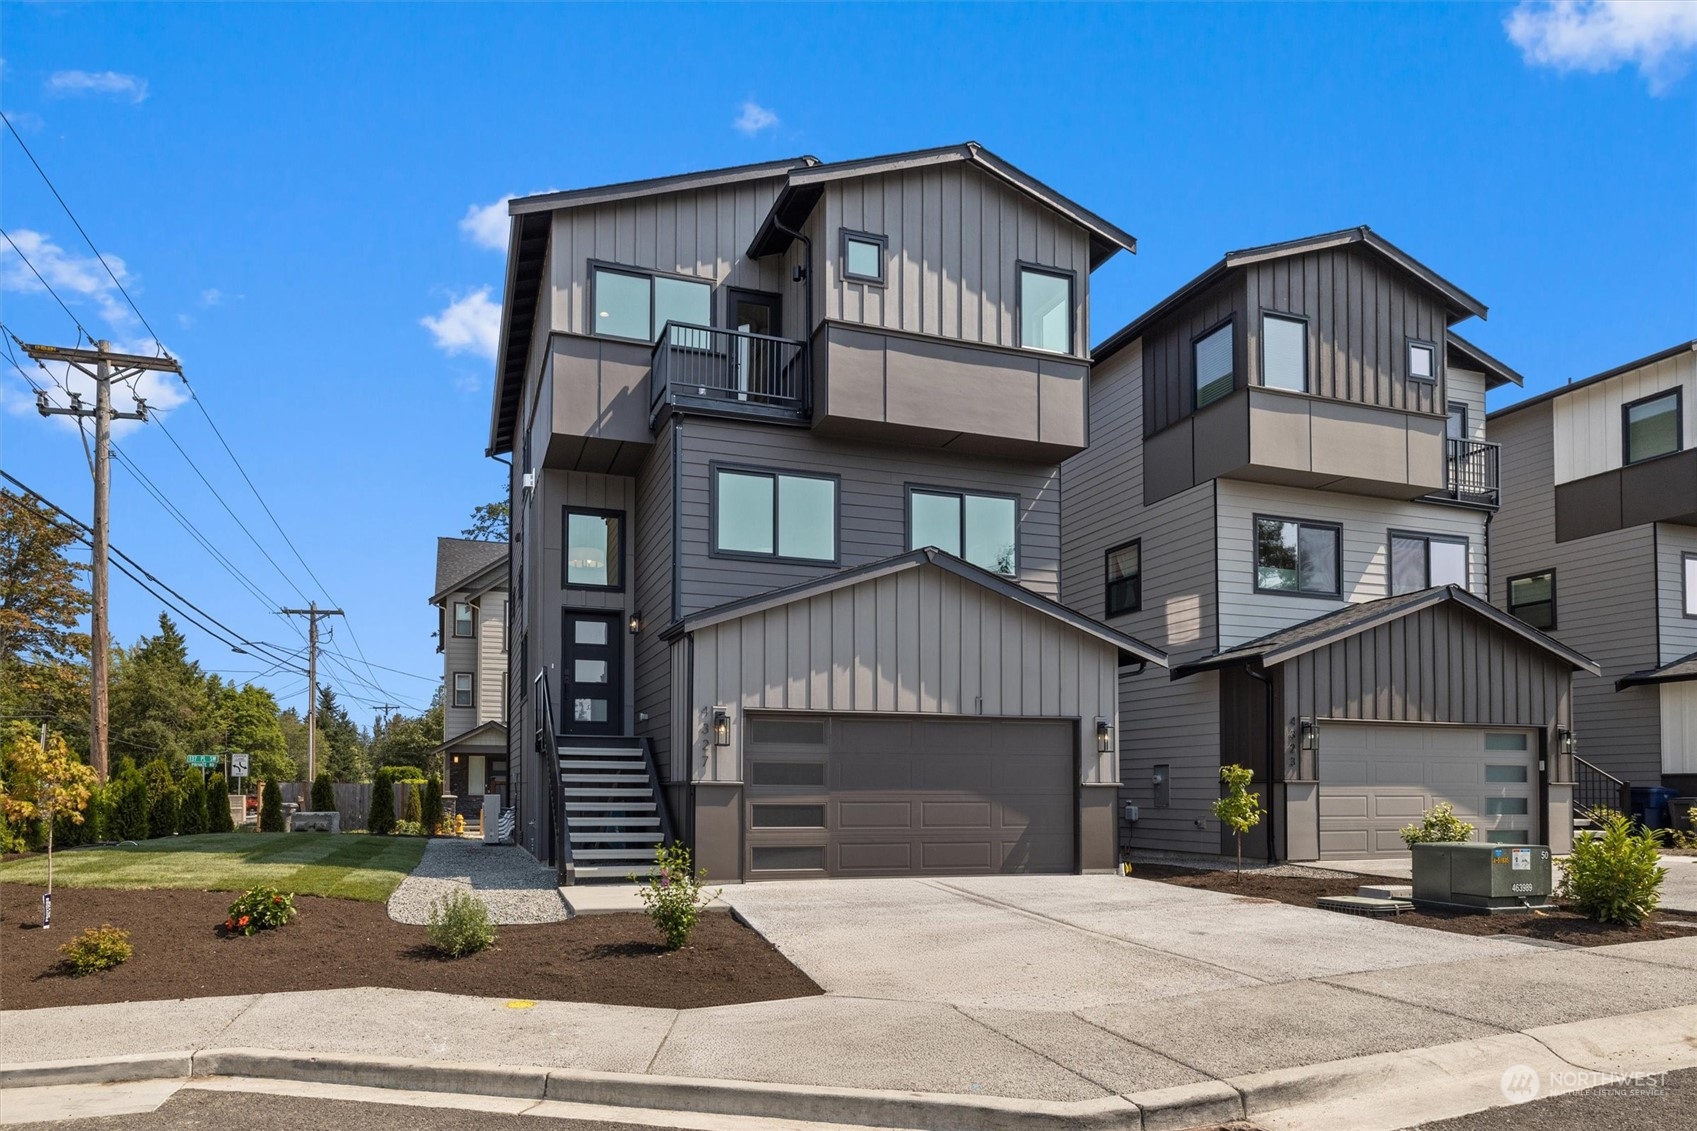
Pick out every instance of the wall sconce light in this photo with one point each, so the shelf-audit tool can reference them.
(721, 727)
(1566, 741)
(635, 623)
(1307, 734)
(456, 759)
(1104, 737)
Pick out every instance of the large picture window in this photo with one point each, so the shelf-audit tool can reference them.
(1651, 427)
(1125, 579)
(774, 514)
(983, 529)
(1284, 353)
(1213, 356)
(1045, 310)
(594, 549)
(635, 304)
(1532, 598)
(1301, 558)
(1420, 561)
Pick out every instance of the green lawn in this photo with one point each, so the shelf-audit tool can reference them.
(347, 867)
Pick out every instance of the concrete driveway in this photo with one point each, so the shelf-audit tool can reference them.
(1066, 943)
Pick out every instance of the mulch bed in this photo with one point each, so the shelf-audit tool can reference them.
(1553, 926)
(181, 951)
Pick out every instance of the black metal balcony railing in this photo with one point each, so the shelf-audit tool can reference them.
(1472, 474)
(1595, 790)
(733, 368)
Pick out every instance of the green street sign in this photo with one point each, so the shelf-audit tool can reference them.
(212, 761)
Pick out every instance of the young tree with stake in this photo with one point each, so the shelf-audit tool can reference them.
(45, 782)
(1239, 809)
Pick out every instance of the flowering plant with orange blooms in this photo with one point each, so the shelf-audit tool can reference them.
(259, 909)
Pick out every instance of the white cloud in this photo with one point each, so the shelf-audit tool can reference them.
(486, 224)
(211, 296)
(468, 324)
(26, 120)
(1659, 37)
(754, 118)
(468, 383)
(70, 276)
(98, 82)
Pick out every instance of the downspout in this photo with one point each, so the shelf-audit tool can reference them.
(1274, 755)
(515, 780)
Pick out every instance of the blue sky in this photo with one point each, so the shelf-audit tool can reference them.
(293, 190)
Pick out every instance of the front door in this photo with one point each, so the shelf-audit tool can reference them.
(755, 312)
(592, 683)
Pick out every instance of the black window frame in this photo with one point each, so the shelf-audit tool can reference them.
(650, 274)
(961, 493)
(471, 620)
(1109, 608)
(1255, 556)
(1426, 538)
(1410, 345)
(617, 558)
(883, 243)
(1283, 316)
(774, 473)
(1514, 609)
(1678, 395)
(1196, 403)
(1020, 267)
(1466, 419)
(1687, 591)
(471, 691)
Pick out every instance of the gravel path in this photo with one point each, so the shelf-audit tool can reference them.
(516, 888)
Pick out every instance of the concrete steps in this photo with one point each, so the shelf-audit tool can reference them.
(609, 799)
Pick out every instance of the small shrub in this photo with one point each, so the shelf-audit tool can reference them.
(673, 897)
(218, 819)
(96, 949)
(260, 909)
(1438, 824)
(414, 811)
(323, 794)
(432, 815)
(408, 828)
(451, 824)
(271, 807)
(459, 925)
(381, 820)
(1614, 876)
(1680, 840)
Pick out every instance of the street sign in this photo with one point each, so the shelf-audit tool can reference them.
(210, 761)
(238, 765)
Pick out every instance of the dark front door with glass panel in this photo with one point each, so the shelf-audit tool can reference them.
(759, 368)
(591, 675)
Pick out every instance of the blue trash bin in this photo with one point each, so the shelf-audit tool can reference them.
(1650, 805)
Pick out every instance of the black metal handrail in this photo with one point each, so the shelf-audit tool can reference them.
(1473, 471)
(660, 806)
(547, 740)
(1595, 789)
(732, 366)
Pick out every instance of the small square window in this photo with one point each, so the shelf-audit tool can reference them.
(1532, 598)
(1125, 579)
(1422, 361)
(462, 689)
(1651, 427)
(863, 257)
(1213, 357)
(465, 620)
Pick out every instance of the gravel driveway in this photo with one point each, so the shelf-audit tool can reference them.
(516, 888)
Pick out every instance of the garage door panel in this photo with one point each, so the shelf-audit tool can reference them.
(973, 773)
(874, 814)
(881, 773)
(955, 856)
(1345, 771)
(1400, 806)
(954, 815)
(1396, 771)
(883, 856)
(1342, 804)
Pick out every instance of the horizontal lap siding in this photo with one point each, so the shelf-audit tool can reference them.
(1678, 632)
(1468, 388)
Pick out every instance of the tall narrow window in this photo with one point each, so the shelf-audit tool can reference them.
(594, 549)
(465, 619)
(1421, 561)
(1213, 358)
(462, 689)
(983, 529)
(1689, 564)
(1303, 558)
(1532, 598)
(1455, 427)
(1284, 353)
(775, 514)
(1651, 427)
(1045, 310)
(1125, 579)
(1422, 361)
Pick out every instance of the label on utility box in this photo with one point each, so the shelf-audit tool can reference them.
(1521, 860)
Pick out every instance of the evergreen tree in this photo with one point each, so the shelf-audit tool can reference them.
(432, 805)
(43, 655)
(161, 702)
(381, 820)
(191, 806)
(251, 724)
(271, 807)
(163, 799)
(128, 820)
(218, 819)
(343, 752)
(323, 794)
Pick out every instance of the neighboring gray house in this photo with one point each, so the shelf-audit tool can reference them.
(1287, 486)
(786, 447)
(1597, 545)
(471, 605)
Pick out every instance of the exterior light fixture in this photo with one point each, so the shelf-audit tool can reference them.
(1308, 734)
(635, 623)
(1104, 737)
(721, 727)
(1567, 742)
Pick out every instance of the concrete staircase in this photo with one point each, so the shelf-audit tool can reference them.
(612, 809)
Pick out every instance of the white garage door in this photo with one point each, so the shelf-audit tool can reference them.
(1376, 779)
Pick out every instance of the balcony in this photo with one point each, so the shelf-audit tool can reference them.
(1472, 476)
(729, 371)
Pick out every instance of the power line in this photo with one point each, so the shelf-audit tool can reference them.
(81, 329)
(381, 668)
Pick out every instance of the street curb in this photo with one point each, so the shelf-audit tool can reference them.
(99, 1070)
(402, 1073)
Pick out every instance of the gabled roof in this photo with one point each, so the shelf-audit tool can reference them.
(461, 563)
(1585, 382)
(492, 727)
(655, 186)
(1329, 628)
(1678, 671)
(1129, 646)
(805, 186)
(1465, 355)
(1461, 304)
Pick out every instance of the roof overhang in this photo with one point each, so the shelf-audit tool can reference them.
(1679, 671)
(475, 584)
(1586, 382)
(492, 729)
(1130, 649)
(1466, 355)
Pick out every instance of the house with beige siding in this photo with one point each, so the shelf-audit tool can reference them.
(1596, 544)
(786, 522)
(471, 635)
(1286, 485)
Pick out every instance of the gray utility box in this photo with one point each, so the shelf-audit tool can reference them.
(1464, 876)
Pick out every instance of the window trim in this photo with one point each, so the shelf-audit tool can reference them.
(649, 273)
(1108, 609)
(471, 691)
(471, 620)
(1687, 591)
(1020, 267)
(714, 467)
(1428, 538)
(1195, 386)
(883, 243)
(1284, 316)
(961, 493)
(1255, 558)
(1410, 344)
(1555, 607)
(1466, 419)
(566, 512)
(1678, 394)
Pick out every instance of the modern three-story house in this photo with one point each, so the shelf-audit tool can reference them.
(471, 634)
(786, 522)
(1597, 545)
(1287, 485)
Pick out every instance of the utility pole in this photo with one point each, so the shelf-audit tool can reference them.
(107, 367)
(313, 614)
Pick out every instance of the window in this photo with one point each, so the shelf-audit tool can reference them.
(506, 619)
(462, 689)
(1284, 353)
(1455, 428)
(633, 304)
(776, 515)
(1505, 740)
(983, 529)
(465, 620)
(1421, 561)
(1303, 558)
(1125, 579)
(863, 256)
(1651, 427)
(1213, 358)
(1505, 806)
(1505, 775)
(1422, 361)
(594, 549)
(1689, 570)
(1045, 310)
(1532, 598)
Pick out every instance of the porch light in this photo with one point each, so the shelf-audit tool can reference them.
(1567, 742)
(1308, 734)
(635, 623)
(721, 727)
(1104, 737)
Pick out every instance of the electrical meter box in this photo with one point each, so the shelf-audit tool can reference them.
(1482, 877)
